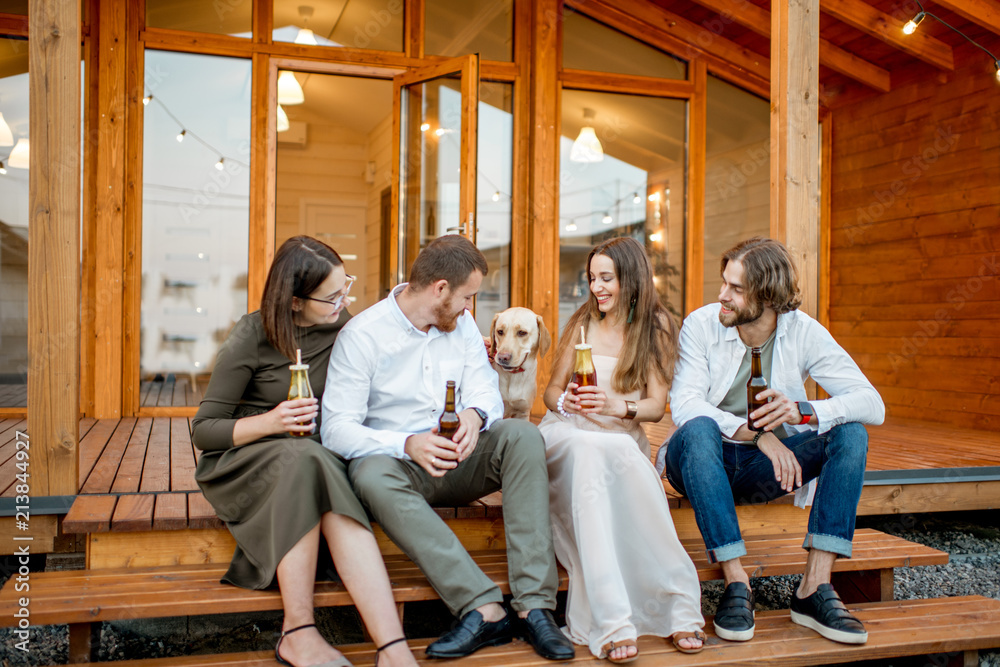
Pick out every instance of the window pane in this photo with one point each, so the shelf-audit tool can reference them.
(459, 27)
(590, 45)
(359, 24)
(493, 190)
(737, 174)
(13, 224)
(220, 17)
(635, 189)
(195, 219)
(334, 176)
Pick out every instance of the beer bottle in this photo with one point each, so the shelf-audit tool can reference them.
(583, 369)
(756, 384)
(299, 387)
(448, 423)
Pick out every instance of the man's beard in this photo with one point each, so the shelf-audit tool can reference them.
(445, 319)
(739, 317)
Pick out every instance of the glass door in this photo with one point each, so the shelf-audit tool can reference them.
(434, 184)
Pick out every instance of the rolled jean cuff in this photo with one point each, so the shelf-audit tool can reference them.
(727, 552)
(493, 595)
(831, 543)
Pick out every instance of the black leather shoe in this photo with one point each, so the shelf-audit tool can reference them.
(549, 641)
(734, 617)
(471, 634)
(826, 614)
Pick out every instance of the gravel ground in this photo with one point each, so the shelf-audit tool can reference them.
(971, 539)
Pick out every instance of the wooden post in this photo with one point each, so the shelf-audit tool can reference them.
(54, 246)
(543, 177)
(694, 253)
(795, 137)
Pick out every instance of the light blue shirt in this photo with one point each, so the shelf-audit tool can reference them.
(386, 380)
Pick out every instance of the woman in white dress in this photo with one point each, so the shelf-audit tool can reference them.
(628, 573)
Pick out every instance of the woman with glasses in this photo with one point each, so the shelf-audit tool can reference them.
(266, 473)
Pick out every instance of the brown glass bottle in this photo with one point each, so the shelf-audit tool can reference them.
(299, 387)
(448, 423)
(584, 374)
(756, 384)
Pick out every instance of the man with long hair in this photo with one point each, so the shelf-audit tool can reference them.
(716, 460)
(385, 391)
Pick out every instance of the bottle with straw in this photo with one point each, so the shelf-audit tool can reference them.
(583, 369)
(299, 386)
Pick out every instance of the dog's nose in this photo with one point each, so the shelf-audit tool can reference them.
(503, 357)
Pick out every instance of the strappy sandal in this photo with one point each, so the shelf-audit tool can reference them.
(624, 643)
(385, 646)
(339, 662)
(697, 634)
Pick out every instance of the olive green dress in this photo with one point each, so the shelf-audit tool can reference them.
(273, 491)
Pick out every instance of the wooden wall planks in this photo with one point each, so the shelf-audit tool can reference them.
(915, 244)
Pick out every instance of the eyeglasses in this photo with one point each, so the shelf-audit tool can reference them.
(339, 298)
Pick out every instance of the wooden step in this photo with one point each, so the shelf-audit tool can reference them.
(82, 596)
(895, 629)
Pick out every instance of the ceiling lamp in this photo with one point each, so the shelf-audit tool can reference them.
(587, 147)
(283, 123)
(6, 138)
(306, 36)
(19, 156)
(289, 90)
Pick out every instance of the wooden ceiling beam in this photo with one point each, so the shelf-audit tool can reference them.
(985, 13)
(889, 29)
(670, 32)
(758, 20)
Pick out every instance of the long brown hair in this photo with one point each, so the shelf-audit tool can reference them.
(650, 340)
(300, 266)
(769, 274)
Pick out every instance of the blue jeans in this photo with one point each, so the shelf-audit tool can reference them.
(714, 475)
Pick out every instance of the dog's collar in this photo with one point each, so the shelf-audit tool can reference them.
(519, 369)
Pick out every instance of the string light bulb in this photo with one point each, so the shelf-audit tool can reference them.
(997, 65)
(607, 219)
(636, 199)
(181, 135)
(496, 196)
(911, 25)
(424, 127)
(146, 100)
(220, 165)
(571, 227)
(3, 169)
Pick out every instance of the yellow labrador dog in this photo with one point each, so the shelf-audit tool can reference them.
(518, 338)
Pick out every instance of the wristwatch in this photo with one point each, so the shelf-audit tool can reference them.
(805, 410)
(482, 416)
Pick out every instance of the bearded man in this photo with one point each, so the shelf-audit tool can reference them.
(716, 460)
(385, 390)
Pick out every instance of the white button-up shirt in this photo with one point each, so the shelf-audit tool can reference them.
(386, 380)
(710, 356)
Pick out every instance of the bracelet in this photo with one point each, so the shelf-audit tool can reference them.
(757, 436)
(631, 409)
(559, 404)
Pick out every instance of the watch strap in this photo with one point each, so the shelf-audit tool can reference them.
(483, 416)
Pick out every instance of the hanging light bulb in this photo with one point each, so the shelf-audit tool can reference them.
(656, 237)
(997, 65)
(424, 127)
(18, 158)
(220, 165)
(146, 100)
(607, 219)
(6, 138)
(571, 227)
(289, 90)
(587, 147)
(911, 25)
(181, 135)
(636, 199)
(306, 36)
(283, 123)
(3, 169)
(496, 196)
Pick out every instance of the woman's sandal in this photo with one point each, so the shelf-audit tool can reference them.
(339, 662)
(697, 634)
(624, 643)
(385, 646)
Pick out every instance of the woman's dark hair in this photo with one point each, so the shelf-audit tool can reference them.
(650, 340)
(300, 266)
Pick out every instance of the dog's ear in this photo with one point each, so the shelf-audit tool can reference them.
(493, 335)
(544, 339)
